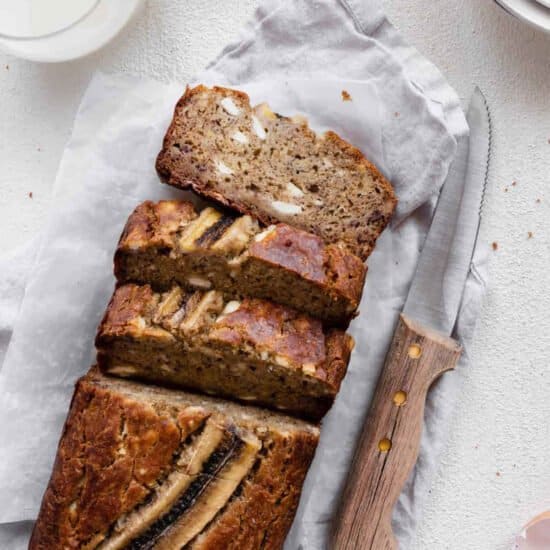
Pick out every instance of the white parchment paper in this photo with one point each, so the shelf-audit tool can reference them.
(108, 168)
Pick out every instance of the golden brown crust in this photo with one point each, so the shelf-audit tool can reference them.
(305, 254)
(173, 171)
(293, 249)
(128, 304)
(346, 271)
(138, 229)
(325, 281)
(254, 350)
(153, 224)
(268, 326)
(111, 452)
(339, 348)
(256, 325)
(120, 442)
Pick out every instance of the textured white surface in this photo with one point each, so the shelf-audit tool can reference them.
(495, 472)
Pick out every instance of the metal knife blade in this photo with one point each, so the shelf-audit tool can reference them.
(420, 352)
(436, 290)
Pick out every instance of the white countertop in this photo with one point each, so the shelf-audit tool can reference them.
(495, 472)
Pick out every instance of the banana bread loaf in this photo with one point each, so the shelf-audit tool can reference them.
(169, 242)
(143, 467)
(254, 350)
(275, 168)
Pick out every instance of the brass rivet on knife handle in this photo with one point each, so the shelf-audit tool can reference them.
(400, 398)
(415, 351)
(378, 474)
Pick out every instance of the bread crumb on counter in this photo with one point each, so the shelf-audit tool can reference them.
(346, 96)
(495, 245)
(529, 234)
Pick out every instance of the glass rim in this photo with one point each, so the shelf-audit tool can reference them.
(28, 38)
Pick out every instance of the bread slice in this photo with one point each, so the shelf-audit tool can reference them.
(254, 350)
(141, 467)
(169, 242)
(275, 168)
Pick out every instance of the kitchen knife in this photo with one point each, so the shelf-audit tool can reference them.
(421, 350)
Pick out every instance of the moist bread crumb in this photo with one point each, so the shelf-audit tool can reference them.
(275, 168)
(346, 95)
(139, 466)
(168, 242)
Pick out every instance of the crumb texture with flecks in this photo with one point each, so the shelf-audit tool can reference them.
(168, 243)
(252, 350)
(275, 168)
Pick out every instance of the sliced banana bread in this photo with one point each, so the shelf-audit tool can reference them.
(169, 242)
(142, 467)
(275, 168)
(253, 350)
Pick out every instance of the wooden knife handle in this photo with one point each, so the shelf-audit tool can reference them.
(389, 444)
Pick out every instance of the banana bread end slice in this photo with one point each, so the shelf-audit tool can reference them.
(140, 467)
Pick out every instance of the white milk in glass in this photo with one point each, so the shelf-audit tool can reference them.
(52, 31)
(36, 18)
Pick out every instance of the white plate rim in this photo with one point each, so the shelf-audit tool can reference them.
(530, 11)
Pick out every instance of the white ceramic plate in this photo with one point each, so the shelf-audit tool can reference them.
(91, 33)
(533, 12)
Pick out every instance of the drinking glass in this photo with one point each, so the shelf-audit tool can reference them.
(61, 30)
